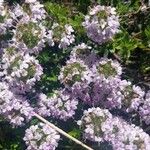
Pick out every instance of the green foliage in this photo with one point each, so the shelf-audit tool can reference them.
(124, 44)
(66, 15)
(147, 37)
(11, 138)
(51, 60)
(57, 12)
(26, 34)
(75, 133)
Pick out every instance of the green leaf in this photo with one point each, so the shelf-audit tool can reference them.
(124, 43)
(147, 32)
(75, 133)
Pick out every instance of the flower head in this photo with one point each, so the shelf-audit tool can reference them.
(61, 105)
(41, 137)
(91, 122)
(101, 24)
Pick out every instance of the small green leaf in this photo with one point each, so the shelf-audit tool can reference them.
(75, 133)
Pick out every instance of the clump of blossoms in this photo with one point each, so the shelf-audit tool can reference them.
(101, 93)
(41, 137)
(13, 107)
(101, 24)
(63, 36)
(91, 122)
(124, 136)
(30, 33)
(21, 111)
(74, 72)
(103, 87)
(32, 10)
(81, 51)
(28, 30)
(35, 10)
(5, 20)
(21, 70)
(84, 52)
(106, 89)
(144, 110)
(99, 125)
(107, 69)
(133, 96)
(61, 105)
(29, 36)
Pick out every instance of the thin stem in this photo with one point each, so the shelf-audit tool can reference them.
(62, 132)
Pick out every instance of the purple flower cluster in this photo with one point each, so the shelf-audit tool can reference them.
(29, 34)
(85, 53)
(61, 35)
(107, 69)
(91, 123)
(5, 20)
(41, 137)
(74, 73)
(124, 136)
(101, 93)
(98, 82)
(21, 70)
(61, 105)
(33, 11)
(13, 107)
(101, 23)
(145, 109)
(99, 125)
(95, 85)
(133, 96)
(27, 24)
